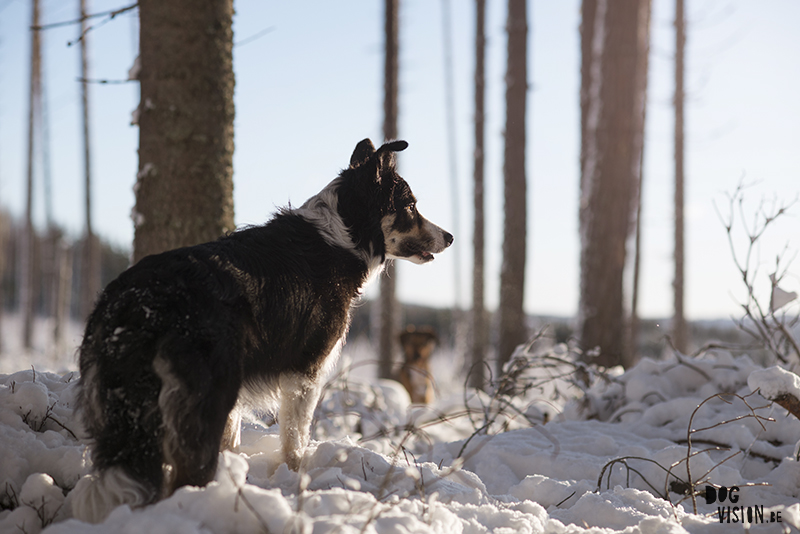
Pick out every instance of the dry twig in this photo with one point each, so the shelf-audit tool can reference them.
(691, 431)
(764, 324)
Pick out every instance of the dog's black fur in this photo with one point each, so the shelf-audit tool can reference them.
(176, 339)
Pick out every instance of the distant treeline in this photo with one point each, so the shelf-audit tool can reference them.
(650, 341)
(57, 280)
(57, 267)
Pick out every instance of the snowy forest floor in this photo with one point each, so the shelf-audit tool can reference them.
(559, 448)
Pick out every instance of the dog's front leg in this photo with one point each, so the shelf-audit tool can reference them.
(299, 396)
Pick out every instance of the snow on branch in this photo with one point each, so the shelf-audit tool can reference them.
(778, 385)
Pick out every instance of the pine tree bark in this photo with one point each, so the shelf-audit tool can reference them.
(614, 35)
(630, 348)
(90, 266)
(388, 331)
(513, 330)
(27, 263)
(184, 191)
(630, 354)
(680, 333)
(477, 371)
(63, 299)
(4, 230)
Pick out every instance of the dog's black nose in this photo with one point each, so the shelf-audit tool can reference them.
(448, 239)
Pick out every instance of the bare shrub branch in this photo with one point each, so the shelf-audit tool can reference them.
(760, 419)
(769, 327)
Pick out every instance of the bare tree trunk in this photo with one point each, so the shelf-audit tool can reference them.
(63, 298)
(49, 270)
(184, 191)
(387, 336)
(477, 372)
(27, 252)
(612, 106)
(3, 253)
(48, 263)
(90, 277)
(630, 355)
(3, 256)
(680, 334)
(512, 277)
(452, 149)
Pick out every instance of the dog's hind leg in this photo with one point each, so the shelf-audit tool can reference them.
(194, 407)
(123, 420)
(299, 396)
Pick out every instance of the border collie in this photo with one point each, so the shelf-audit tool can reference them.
(182, 339)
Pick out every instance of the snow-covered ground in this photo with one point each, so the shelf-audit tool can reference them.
(556, 457)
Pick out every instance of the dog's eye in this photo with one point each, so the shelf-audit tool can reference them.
(411, 209)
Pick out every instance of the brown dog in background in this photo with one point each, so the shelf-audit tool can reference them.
(415, 373)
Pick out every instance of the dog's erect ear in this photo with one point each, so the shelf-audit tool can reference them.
(385, 153)
(363, 151)
(394, 146)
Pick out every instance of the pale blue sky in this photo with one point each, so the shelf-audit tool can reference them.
(309, 89)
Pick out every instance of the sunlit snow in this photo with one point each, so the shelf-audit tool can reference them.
(551, 459)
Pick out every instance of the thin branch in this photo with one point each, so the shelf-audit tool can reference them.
(721, 446)
(240, 496)
(759, 323)
(111, 14)
(103, 82)
(623, 460)
(255, 37)
(690, 431)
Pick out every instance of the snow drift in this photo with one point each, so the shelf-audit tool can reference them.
(612, 457)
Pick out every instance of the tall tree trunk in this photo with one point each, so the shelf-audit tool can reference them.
(512, 277)
(90, 272)
(53, 236)
(3, 259)
(452, 149)
(63, 298)
(614, 36)
(27, 252)
(477, 373)
(3, 253)
(387, 336)
(680, 334)
(184, 191)
(630, 355)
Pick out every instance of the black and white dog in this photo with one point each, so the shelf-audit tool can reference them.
(180, 339)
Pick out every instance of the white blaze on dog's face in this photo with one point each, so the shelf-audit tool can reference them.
(410, 236)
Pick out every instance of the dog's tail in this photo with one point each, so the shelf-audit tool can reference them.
(116, 405)
(97, 494)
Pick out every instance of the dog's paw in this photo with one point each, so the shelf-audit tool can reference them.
(294, 459)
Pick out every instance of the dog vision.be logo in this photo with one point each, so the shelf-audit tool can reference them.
(735, 512)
